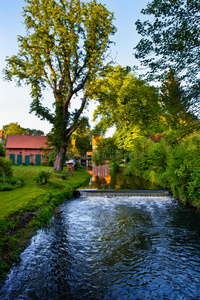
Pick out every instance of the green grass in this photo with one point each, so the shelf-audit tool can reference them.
(26, 209)
(20, 198)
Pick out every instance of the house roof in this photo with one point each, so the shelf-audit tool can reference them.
(26, 142)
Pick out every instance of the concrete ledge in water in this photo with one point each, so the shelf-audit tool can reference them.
(124, 193)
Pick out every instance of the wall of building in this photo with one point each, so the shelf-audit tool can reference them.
(26, 152)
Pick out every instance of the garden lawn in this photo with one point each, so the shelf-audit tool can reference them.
(20, 198)
(26, 209)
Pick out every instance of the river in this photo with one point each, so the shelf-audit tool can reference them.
(112, 248)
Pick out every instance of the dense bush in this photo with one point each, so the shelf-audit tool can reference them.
(42, 177)
(6, 186)
(176, 167)
(5, 167)
(183, 169)
(2, 150)
(6, 179)
(5, 164)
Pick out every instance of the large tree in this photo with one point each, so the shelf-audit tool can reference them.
(127, 103)
(64, 49)
(171, 39)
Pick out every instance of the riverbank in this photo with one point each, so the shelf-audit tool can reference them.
(26, 209)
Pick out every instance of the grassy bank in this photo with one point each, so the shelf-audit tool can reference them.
(26, 209)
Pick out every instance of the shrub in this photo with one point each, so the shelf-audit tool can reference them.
(5, 167)
(42, 177)
(2, 151)
(6, 186)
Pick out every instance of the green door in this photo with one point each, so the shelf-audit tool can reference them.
(37, 159)
(12, 158)
(27, 160)
(19, 159)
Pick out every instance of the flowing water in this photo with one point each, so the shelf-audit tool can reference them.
(112, 248)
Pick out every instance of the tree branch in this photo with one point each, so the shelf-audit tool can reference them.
(79, 112)
(52, 70)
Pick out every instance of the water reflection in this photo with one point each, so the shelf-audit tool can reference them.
(104, 178)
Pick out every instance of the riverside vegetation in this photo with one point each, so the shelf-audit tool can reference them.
(30, 205)
(175, 167)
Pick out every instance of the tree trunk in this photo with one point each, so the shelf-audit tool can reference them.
(58, 164)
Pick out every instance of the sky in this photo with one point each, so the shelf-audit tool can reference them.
(15, 101)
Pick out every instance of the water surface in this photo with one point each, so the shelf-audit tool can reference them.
(112, 248)
(103, 178)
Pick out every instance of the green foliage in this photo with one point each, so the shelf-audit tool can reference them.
(178, 121)
(114, 167)
(176, 167)
(170, 39)
(78, 166)
(13, 129)
(64, 49)
(7, 181)
(2, 150)
(5, 167)
(34, 131)
(107, 150)
(139, 160)
(6, 186)
(127, 103)
(83, 144)
(83, 138)
(137, 109)
(42, 177)
(23, 211)
(50, 157)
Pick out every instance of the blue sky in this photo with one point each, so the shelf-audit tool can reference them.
(15, 101)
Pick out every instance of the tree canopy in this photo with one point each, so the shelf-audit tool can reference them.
(137, 109)
(177, 119)
(34, 131)
(64, 49)
(14, 129)
(128, 103)
(172, 41)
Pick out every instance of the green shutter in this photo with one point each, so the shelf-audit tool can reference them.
(27, 160)
(12, 158)
(19, 159)
(37, 159)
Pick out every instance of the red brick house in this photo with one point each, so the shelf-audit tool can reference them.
(26, 149)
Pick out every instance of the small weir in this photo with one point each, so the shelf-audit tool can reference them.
(122, 193)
